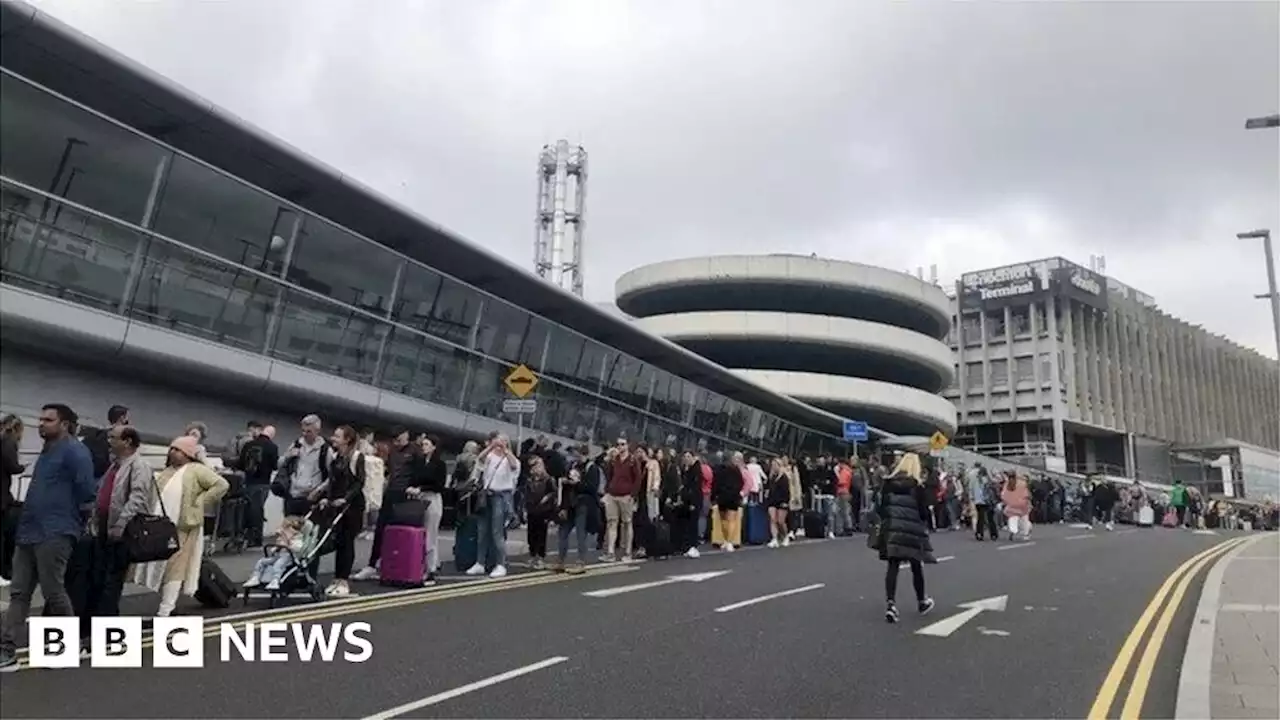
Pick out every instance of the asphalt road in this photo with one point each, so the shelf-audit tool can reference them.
(683, 649)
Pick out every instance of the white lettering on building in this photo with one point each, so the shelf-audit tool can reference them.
(997, 276)
(1085, 283)
(1005, 291)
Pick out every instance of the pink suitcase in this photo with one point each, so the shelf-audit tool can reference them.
(404, 556)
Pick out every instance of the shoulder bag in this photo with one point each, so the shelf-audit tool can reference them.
(151, 538)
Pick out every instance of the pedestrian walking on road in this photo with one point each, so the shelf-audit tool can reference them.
(1016, 497)
(904, 511)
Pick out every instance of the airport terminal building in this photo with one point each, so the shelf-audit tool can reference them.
(861, 341)
(161, 253)
(1060, 365)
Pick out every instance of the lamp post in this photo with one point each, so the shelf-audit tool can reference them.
(1272, 294)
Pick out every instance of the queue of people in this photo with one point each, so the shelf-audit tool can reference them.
(69, 536)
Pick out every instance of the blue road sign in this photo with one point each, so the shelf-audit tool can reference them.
(855, 431)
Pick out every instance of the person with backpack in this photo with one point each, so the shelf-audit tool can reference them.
(97, 441)
(256, 458)
(304, 468)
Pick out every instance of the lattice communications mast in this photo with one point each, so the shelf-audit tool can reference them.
(562, 197)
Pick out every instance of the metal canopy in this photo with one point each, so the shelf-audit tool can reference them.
(49, 52)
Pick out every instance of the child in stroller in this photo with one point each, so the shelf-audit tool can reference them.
(289, 564)
(296, 537)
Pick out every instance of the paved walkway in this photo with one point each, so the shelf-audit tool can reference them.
(1240, 606)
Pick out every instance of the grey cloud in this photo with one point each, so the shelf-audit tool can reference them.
(906, 134)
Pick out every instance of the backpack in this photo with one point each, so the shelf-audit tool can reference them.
(95, 441)
(249, 459)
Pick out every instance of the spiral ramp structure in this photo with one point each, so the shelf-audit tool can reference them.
(856, 340)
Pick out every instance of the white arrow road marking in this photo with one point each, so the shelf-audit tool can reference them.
(671, 580)
(465, 689)
(766, 598)
(947, 626)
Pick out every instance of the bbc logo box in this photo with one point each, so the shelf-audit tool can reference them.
(179, 642)
(116, 642)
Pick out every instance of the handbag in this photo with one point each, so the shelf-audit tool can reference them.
(151, 538)
(411, 513)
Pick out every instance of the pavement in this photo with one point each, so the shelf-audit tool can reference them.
(1232, 657)
(790, 632)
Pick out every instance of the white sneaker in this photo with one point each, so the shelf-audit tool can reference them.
(476, 569)
(5, 582)
(831, 536)
(728, 547)
(773, 543)
(498, 572)
(273, 585)
(1110, 527)
(786, 542)
(366, 574)
(693, 553)
(253, 581)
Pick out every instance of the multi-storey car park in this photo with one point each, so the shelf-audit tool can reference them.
(161, 253)
(1060, 365)
(860, 341)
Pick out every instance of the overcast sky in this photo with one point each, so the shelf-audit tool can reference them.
(903, 135)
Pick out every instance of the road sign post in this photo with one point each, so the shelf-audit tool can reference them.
(937, 443)
(855, 431)
(521, 382)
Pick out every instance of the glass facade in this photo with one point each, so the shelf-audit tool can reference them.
(104, 216)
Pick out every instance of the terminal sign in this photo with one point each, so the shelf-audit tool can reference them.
(855, 431)
(938, 442)
(521, 381)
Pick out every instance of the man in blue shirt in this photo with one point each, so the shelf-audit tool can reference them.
(49, 527)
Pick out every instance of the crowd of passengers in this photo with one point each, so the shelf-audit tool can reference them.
(629, 500)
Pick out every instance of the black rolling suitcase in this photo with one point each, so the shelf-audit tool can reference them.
(215, 589)
(658, 542)
(815, 521)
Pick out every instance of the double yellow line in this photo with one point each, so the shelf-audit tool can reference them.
(1178, 582)
(386, 601)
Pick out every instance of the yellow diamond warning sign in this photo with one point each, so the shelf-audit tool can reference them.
(521, 381)
(937, 442)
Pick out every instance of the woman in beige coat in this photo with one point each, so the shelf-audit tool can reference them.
(186, 487)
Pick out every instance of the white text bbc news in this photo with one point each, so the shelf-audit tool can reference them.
(180, 642)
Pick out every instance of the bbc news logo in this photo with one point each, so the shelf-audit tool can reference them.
(181, 642)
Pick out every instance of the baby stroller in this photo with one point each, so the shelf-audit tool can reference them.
(300, 578)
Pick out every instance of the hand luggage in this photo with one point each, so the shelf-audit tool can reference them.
(658, 543)
(404, 556)
(410, 513)
(1146, 516)
(1170, 519)
(756, 524)
(815, 524)
(215, 589)
(718, 533)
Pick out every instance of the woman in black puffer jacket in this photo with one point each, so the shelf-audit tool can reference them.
(904, 532)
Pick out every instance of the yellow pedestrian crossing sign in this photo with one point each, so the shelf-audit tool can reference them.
(938, 442)
(521, 381)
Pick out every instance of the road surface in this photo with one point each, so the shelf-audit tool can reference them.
(791, 632)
